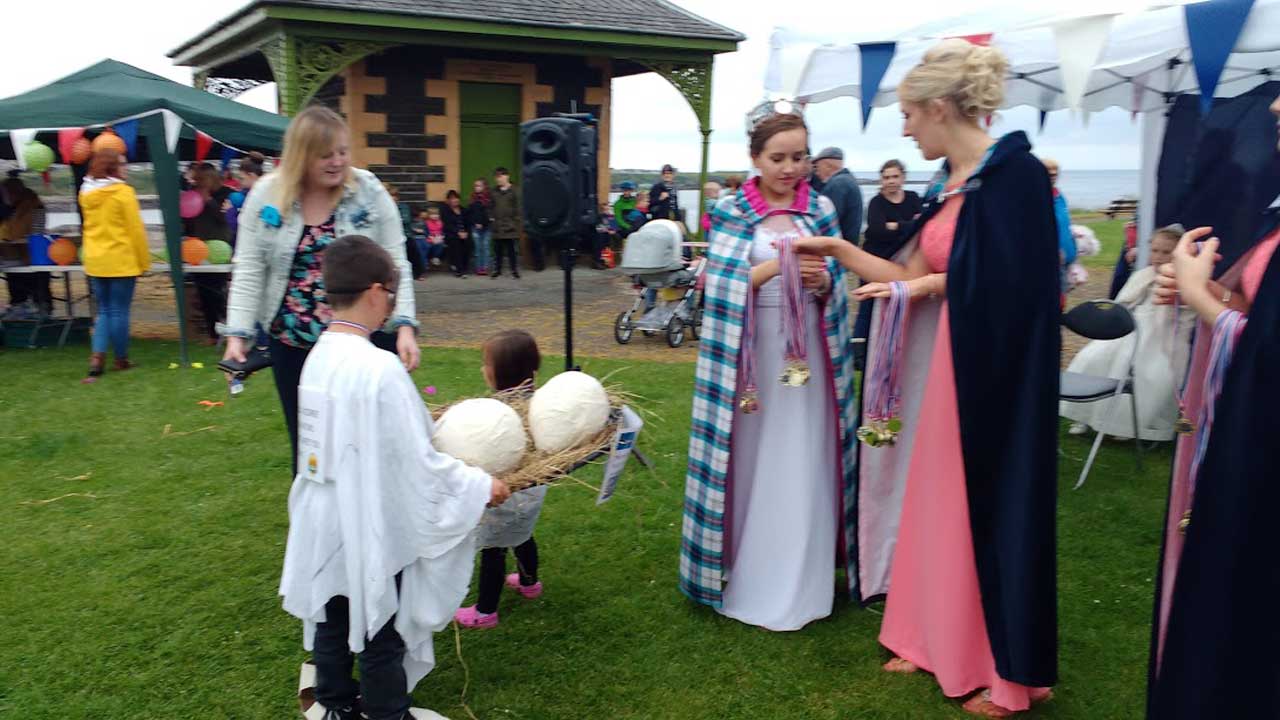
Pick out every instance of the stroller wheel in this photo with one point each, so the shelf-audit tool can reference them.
(622, 328)
(675, 332)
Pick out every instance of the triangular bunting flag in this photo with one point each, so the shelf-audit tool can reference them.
(128, 132)
(66, 142)
(172, 129)
(875, 62)
(1080, 45)
(1213, 28)
(204, 144)
(1044, 115)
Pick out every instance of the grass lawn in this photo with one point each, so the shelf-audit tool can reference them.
(152, 592)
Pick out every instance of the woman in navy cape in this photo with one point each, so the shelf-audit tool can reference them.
(1216, 630)
(977, 508)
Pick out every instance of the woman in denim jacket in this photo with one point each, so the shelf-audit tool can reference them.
(312, 198)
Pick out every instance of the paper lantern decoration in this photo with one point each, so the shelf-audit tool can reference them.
(219, 252)
(482, 432)
(109, 140)
(37, 156)
(62, 251)
(81, 151)
(194, 251)
(568, 410)
(236, 199)
(190, 204)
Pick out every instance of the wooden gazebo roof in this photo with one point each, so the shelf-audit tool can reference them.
(299, 44)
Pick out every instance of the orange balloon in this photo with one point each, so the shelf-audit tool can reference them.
(81, 149)
(62, 251)
(194, 251)
(109, 140)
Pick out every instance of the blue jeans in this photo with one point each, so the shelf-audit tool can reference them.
(482, 237)
(114, 295)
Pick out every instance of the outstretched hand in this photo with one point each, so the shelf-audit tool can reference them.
(816, 245)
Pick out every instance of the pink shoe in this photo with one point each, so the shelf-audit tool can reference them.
(528, 591)
(469, 617)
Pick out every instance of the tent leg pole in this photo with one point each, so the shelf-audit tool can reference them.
(166, 176)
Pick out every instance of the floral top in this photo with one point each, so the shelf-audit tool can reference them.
(304, 313)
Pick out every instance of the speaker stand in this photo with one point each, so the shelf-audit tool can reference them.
(568, 258)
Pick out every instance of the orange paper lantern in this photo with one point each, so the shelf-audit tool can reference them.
(81, 149)
(194, 251)
(109, 140)
(62, 251)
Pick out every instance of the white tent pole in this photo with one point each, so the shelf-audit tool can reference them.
(1153, 127)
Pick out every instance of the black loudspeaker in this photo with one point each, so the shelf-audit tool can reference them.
(558, 175)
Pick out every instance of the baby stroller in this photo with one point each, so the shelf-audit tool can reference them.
(667, 299)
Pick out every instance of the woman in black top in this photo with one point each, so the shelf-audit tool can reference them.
(890, 220)
(456, 236)
(890, 213)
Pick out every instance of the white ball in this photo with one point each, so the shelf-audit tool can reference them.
(568, 410)
(482, 432)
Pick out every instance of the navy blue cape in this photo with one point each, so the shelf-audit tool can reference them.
(1220, 656)
(1003, 299)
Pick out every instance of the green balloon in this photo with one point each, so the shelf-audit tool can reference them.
(37, 156)
(219, 252)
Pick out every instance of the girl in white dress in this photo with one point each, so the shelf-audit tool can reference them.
(1159, 365)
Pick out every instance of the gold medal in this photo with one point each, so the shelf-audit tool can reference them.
(880, 433)
(1184, 523)
(796, 374)
(749, 402)
(1183, 425)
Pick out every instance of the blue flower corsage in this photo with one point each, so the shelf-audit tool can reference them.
(270, 215)
(360, 218)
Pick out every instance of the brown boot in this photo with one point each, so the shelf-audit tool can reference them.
(122, 363)
(97, 361)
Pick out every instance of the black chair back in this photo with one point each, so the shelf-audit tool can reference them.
(1099, 320)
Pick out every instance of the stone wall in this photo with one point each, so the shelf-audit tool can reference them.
(403, 107)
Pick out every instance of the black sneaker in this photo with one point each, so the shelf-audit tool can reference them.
(347, 713)
(515, 275)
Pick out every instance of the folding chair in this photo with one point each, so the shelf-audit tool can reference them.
(1102, 320)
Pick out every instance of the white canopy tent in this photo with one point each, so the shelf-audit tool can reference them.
(1133, 55)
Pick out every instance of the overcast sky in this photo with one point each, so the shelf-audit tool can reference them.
(651, 124)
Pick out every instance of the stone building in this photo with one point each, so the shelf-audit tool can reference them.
(434, 90)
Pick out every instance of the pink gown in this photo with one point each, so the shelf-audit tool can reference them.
(933, 613)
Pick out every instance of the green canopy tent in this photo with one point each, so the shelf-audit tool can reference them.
(169, 116)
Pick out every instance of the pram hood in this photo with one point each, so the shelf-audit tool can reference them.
(653, 248)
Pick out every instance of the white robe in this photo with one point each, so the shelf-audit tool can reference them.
(1157, 366)
(388, 503)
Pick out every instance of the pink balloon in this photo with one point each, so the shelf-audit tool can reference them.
(190, 204)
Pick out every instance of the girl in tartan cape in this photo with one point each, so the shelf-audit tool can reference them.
(771, 479)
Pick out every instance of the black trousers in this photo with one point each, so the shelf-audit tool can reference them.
(459, 250)
(507, 247)
(286, 367)
(30, 286)
(383, 688)
(211, 288)
(493, 572)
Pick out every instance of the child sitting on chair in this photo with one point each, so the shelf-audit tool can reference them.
(380, 545)
(1159, 363)
(511, 360)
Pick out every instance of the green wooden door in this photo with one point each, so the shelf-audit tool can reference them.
(490, 115)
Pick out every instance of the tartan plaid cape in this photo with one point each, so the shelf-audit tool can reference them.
(733, 225)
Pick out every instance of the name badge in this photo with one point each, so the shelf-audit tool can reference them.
(315, 434)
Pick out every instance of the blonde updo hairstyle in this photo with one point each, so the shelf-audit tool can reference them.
(970, 77)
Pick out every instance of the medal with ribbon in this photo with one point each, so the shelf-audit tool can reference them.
(883, 405)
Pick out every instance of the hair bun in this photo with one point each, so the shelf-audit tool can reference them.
(972, 76)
